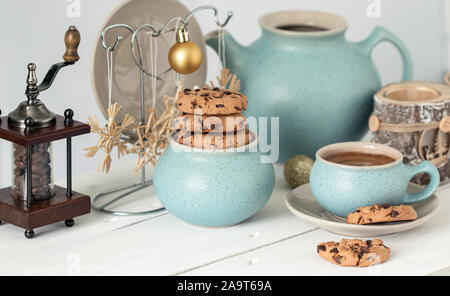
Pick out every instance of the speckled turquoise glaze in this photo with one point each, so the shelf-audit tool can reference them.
(319, 84)
(212, 188)
(341, 189)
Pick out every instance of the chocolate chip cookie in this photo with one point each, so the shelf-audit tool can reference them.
(354, 252)
(213, 123)
(212, 140)
(382, 213)
(211, 101)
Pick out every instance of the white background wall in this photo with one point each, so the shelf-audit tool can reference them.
(33, 31)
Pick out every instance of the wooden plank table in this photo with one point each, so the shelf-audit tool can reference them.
(273, 242)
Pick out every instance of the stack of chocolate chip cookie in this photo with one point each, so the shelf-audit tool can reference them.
(211, 118)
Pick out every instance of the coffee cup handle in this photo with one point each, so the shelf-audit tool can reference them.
(423, 167)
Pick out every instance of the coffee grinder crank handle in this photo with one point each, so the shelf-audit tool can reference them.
(72, 40)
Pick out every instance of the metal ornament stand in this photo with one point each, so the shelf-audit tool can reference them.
(168, 27)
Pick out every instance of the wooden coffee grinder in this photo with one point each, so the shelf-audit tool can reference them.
(33, 200)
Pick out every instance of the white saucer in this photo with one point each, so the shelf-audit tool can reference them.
(302, 203)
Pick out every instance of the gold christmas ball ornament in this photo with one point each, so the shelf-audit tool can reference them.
(185, 57)
(297, 170)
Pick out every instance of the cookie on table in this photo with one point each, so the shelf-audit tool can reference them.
(211, 101)
(382, 213)
(212, 123)
(354, 252)
(214, 141)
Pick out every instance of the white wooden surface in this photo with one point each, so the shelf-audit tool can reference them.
(273, 242)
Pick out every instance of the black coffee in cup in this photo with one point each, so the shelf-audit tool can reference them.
(359, 159)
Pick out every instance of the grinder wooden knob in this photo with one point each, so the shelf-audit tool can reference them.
(72, 40)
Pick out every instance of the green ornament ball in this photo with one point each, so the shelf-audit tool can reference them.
(297, 170)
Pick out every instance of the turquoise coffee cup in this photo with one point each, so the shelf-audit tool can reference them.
(341, 189)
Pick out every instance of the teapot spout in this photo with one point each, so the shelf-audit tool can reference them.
(234, 52)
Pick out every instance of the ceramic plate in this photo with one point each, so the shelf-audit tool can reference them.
(125, 88)
(302, 203)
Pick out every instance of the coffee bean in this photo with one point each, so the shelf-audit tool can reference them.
(19, 154)
(19, 164)
(44, 180)
(36, 161)
(36, 167)
(19, 172)
(44, 171)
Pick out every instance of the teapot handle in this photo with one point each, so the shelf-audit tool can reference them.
(379, 35)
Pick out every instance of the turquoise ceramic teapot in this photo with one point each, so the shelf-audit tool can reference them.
(305, 72)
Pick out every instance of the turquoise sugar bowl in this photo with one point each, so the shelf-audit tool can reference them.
(304, 71)
(213, 188)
